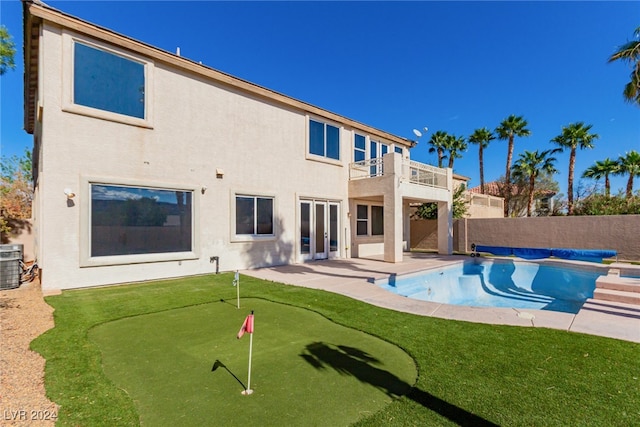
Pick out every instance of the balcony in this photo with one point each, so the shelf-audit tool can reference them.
(412, 172)
(395, 183)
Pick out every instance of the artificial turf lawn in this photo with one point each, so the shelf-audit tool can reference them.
(468, 374)
(186, 367)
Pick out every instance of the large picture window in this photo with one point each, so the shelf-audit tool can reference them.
(324, 140)
(254, 216)
(139, 220)
(109, 82)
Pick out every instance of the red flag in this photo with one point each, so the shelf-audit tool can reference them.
(247, 326)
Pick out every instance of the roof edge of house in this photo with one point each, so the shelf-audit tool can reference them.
(36, 12)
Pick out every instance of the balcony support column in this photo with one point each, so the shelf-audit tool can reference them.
(445, 220)
(393, 208)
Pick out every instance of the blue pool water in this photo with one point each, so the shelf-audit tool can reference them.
(501, 283)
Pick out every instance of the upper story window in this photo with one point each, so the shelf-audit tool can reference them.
(359, 148)
(377, 151)
(397, 149)
(104, 82)
(107, 81)
(324, 140)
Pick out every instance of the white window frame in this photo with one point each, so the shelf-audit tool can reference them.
(252, 237)
(86, 260)
(361, 150)
(368, 220)
(68, 105)
(316, 157)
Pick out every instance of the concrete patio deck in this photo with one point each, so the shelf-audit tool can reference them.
(352, 278)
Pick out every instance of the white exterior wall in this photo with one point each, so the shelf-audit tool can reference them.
(198, 126)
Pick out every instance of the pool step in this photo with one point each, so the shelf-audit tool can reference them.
(617, 289)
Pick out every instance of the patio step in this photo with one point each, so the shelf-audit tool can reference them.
(618, 283)
(614, 295)
(617, 289)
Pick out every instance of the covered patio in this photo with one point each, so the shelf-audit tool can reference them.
(397, 183)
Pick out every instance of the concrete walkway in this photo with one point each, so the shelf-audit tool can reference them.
(353, 278)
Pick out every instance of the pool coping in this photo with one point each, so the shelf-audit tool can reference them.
(354, 278)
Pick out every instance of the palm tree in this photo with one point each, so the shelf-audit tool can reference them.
(574, 136)
(602, 169)
(438, 142)
(455, 145)
(630, 53)
(530, 165)
(629, 164)
(482, 137)
(509, 128)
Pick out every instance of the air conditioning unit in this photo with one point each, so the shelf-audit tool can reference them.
(10, 257)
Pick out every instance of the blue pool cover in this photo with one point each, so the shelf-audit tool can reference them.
(593, 255)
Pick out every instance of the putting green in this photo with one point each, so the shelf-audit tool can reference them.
(186, 367)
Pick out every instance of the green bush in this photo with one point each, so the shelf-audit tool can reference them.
(600, 204)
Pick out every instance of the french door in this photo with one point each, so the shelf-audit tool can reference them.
(319, 229)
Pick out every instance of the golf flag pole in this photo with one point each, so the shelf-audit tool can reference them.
(238, 288)
(247, 327)
(236, 283)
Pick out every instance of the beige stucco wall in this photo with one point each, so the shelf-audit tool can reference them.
(619, 233)
(22, 233)
(198, 126)
(424, 234)
(484, 206)
(202, 135)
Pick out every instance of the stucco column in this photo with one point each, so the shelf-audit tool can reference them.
(445, 220)
(393, 215)
(406, 226)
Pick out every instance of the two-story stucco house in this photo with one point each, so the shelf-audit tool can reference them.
(149, 165)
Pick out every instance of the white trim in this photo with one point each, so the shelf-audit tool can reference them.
(328, 202)
(362, 150)
(86, 260)
(368, 220)
(316, 157)
(239, 238)
(68, 105)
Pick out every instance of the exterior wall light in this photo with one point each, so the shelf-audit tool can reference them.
(70, 194)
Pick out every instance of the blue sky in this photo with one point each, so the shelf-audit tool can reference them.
(452, 66)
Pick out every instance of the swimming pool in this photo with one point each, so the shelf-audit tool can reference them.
(501, 283)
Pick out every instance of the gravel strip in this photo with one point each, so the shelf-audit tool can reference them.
(23, 316)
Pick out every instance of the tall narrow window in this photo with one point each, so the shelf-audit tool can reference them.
(377, 220)
(333, 228)
(377, 150)
(359, 148)
(305, 228)
(324, 140)
(362, 220)
(109, 82)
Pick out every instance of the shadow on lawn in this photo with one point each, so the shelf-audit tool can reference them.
(352, 361)
(219, 364)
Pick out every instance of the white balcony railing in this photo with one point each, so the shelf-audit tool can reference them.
(420, 173)
(414, 172)
(366, 168)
